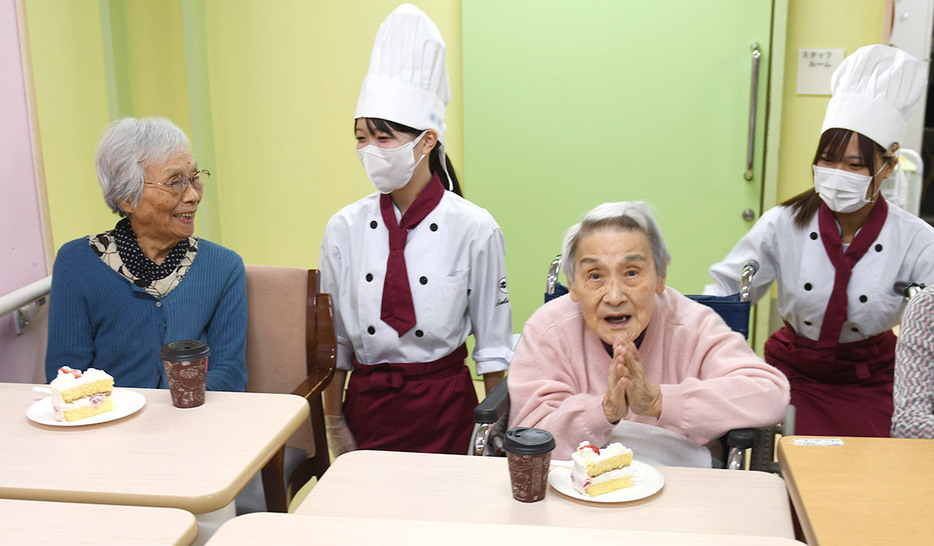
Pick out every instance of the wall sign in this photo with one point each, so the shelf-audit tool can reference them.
(815, 66)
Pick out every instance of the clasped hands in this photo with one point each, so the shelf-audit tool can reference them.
(628, 387)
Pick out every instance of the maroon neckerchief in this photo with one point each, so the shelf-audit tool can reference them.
(843, 263)
(397, 308)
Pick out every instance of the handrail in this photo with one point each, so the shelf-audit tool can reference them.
(24, 302)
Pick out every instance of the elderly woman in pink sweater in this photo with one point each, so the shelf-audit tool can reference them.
(625, 358)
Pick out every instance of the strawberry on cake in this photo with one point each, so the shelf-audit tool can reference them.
(597, 471)
(78, 395)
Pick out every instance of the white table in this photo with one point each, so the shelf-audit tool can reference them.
(195, 459)
(461, 489)
(284, 529)
(57, 523)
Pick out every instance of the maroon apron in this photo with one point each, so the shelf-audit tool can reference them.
(425, 407)
(840, 391)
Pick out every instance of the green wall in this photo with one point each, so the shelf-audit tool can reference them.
(267, 89)
(626, 100)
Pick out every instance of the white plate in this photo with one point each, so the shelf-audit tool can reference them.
(646, 481)
(126, 402)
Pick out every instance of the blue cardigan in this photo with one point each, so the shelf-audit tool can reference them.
(98, 318)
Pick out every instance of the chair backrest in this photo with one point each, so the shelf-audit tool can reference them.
(284, 334)
(733, 311)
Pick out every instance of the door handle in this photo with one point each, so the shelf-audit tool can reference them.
(753, 99)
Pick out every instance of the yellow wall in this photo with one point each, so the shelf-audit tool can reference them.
(847, 24)
(280, 89)
(155, 50)
(71, 96)
(284, 80)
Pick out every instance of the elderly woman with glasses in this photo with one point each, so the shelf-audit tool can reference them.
(118, 296)
(625, 358)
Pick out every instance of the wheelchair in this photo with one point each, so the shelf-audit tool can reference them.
(491, 416)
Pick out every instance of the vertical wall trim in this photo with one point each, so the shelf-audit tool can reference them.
(199, 105)
(42, 195)
(762, 327)
(116, 63)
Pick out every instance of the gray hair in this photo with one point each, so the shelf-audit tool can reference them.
(629, 215)
(128, 146)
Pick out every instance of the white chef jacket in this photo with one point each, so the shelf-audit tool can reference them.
(903, 251)
(456, 264)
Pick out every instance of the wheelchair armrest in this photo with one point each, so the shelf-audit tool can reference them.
(494, 406)
(741, 438)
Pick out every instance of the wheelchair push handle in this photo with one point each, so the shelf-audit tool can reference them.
(751, 268)
(908, 288)
(552, 280)
(745, 283)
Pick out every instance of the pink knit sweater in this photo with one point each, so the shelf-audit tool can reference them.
(711, 381)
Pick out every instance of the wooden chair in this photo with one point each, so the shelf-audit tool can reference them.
(290, 348)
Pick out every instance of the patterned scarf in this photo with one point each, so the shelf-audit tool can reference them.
(119, 249)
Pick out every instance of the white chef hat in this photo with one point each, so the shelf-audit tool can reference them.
(407, 81)
(874, 90)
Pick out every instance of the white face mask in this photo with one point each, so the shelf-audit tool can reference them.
(843, 191)
(390, 169)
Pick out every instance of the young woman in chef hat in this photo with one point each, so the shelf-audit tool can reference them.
(837, 251)
(412, 269)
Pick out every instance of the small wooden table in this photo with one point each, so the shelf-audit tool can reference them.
(462, 489)
(284, 529)
(57, 523)
(865, 491)
(195, 459)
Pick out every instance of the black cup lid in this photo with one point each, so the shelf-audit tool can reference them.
(529, 441)
(184, 350)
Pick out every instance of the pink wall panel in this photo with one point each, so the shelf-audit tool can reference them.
(22, 244)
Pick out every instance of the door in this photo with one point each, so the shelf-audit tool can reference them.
(571, 104)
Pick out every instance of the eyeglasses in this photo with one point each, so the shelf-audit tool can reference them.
(180, 183)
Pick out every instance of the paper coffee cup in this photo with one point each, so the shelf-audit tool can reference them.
(529, 453)
(186, 367)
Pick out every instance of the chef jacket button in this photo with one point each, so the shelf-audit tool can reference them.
(158, 304)
(419, 333)
(807, 286)
(369, 277)
(433, 227)
(423, 280)
(373, 224)
(807, 323)
(863, 299)
(371, 330)
(878, 248)
(813, 235)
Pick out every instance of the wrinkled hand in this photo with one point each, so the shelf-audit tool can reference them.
(340, 439)
(615, 405)
(643, 396)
